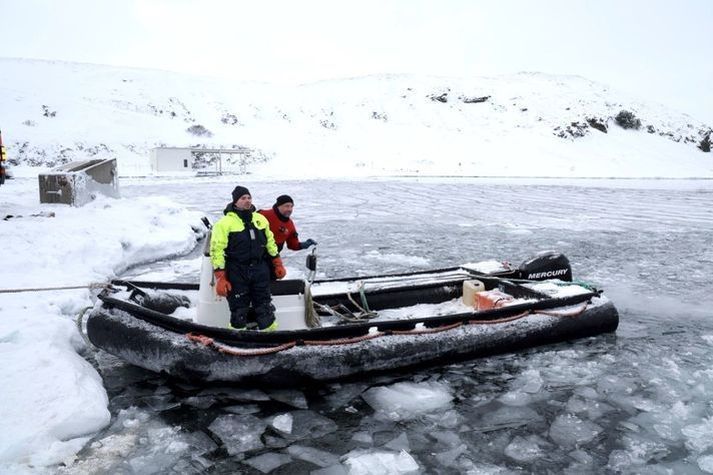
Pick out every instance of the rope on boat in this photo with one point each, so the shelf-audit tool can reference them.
(97, 285)
(567, 314)
(500, 320)
(422, 331)
(210, 342)
(230, 350)
(344, 341)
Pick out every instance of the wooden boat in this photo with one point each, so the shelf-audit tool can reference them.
(338, 328)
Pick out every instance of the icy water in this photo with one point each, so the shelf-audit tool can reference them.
(638, 401)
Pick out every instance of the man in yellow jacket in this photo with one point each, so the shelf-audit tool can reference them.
(242, 249)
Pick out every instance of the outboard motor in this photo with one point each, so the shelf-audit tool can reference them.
(546, 265)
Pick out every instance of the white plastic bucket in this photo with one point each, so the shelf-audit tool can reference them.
(470, 289)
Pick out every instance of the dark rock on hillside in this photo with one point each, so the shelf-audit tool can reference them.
(627, 120)
(597, 123)
(474, 100)
(573, 131)
(199, 131)
(705, 143)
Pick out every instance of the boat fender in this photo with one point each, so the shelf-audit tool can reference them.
(162, 302)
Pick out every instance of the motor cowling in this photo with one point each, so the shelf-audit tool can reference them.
(546, 265)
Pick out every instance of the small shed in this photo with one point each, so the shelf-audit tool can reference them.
(78, 183)
(171, 159)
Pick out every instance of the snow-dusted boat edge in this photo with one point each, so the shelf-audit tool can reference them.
(195, 352)
(154, 348)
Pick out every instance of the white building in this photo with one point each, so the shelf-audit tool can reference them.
(201, 160)
(171, 159)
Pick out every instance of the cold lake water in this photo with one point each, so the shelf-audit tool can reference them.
(637, 401)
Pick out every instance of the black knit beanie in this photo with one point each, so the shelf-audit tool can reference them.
(240, 191)
(282, 199)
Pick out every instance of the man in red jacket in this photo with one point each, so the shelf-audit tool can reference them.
(282, 225)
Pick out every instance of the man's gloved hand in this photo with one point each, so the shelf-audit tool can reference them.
(222, 285)
(278, 268)
(308, 243)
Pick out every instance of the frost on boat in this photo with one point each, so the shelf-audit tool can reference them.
(337, 328)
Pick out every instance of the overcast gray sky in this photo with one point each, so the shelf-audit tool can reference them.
(660, 50)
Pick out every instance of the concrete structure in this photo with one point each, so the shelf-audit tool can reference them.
(78, 183)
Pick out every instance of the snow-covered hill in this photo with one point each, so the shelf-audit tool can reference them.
(529, 124)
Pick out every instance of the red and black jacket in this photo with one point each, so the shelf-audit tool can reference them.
(283, 228)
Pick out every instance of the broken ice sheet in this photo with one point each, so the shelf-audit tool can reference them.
(344, 394)
(290, 397)
(236, 394)
(312, 455)
(268, 462)
(242, 409)
(399, 443)
(239, 433)
(523, 449)
(508, 417)
(449, 458)
(405, 400)
(568, 430)
(283, 423)
(699, 437)
(380, 462)
(307, 425)
(201, 402)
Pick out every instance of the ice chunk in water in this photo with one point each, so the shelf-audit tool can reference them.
(403, 401)
(268, 462)
(449, 439)
(200, 443)
(642, 450)
(705, 463)
(312, 455)
(307, 425)
(201, 402)
(236, 394)
(283, 423)
(399, 443)
(242, 409)
(337, 469)
(344, 394)
(523, 450)
(509, 416)
(568, 430)
(593, 409)
(291, 397)
(449, 458)
(699, 437)
(516, 398)
(448, 419)
(380, 462)
(238, 433)
(363, 437)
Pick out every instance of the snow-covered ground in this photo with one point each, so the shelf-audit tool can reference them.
(528, 124)
(634, 402)
(631, 402)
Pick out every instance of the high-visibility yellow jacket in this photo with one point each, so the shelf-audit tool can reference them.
(232, 242)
